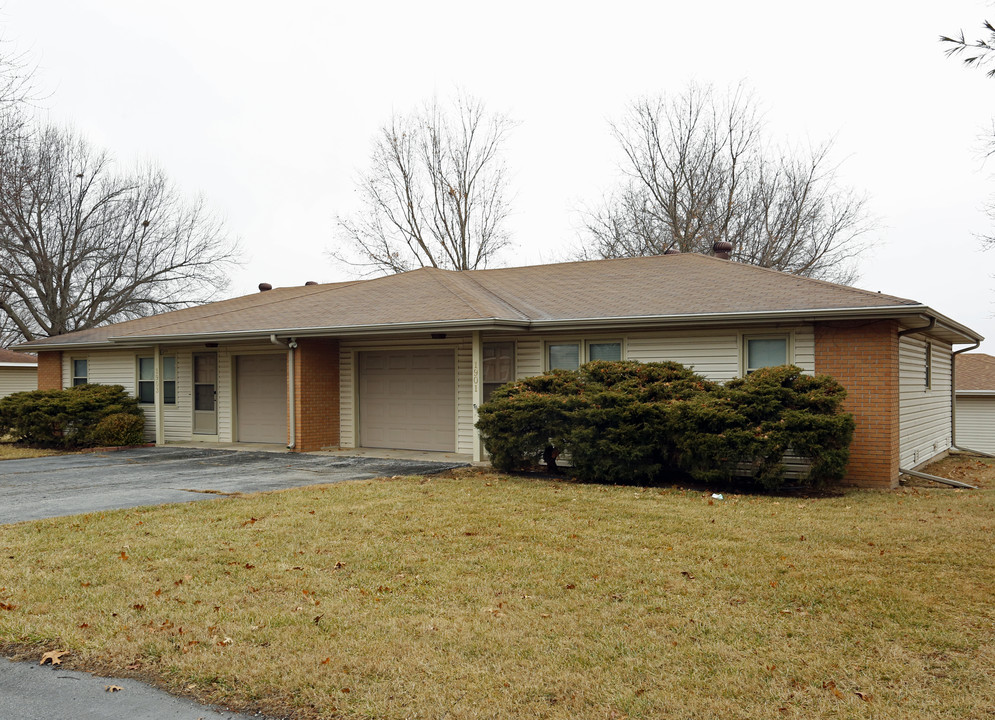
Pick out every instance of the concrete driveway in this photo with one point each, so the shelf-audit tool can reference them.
(71, 484)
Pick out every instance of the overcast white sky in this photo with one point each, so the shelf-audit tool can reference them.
(269, 109)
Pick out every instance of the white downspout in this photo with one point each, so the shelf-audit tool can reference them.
(291, 345)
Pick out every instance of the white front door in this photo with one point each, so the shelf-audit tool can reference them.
(205, 393)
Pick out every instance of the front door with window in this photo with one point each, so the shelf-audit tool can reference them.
(205, 394)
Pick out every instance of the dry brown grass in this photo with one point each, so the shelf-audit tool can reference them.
(10, 451)
(482, 596)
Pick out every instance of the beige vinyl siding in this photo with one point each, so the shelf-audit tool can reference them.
(114, 367)
(976, 423)
(924, 414)
(177, 420)
(15, 379)
(347, 398)
(464, 397)
(714, 354)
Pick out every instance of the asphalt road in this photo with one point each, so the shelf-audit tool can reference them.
(71, 484)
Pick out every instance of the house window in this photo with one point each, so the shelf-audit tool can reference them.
(604, 351)
(499, 366)
(146, 380)
(929, 366)
(80, 376)
(764, 352)
(569, 356)
(169, 380)
(563, 356)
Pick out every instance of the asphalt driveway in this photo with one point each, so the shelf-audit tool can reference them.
(71, 484)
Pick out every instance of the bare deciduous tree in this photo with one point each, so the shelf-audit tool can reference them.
(435, 192)
(700, 170)
(82, 245)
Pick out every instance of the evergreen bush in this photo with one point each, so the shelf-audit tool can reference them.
(64, 419)
(630, 422)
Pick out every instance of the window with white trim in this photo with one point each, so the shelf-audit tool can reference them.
(570, 355)
(146, 380)
(499, 366)
(764, 351)
(80, 372)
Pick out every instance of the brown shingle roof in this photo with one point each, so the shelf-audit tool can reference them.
(975, 371)
(9, 356)
(649, 287)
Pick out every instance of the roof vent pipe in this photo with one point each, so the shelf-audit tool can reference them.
(672, 251)
(722, 249)
(309, 283)
(263, 287)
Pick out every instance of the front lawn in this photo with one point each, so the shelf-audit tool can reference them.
(10, 451)
(483, 596)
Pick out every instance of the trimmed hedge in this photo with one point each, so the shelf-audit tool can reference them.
(77, 417)
(630, 422)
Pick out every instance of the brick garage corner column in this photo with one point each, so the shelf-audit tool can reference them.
(316, 393)
(863, 356)
(50, 370)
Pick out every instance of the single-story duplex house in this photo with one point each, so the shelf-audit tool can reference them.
(975, 417)
(403, 361)
(18, 372)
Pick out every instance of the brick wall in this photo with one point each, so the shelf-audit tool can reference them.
(50, 370)
(316, 390)
(863, 356)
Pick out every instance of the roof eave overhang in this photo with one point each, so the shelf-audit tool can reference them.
(945, 328)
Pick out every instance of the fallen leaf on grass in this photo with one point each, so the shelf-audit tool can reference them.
(863, 696)
(831, 685)
(113, 688)
(686, 574)
(54, 657)
(7, 606)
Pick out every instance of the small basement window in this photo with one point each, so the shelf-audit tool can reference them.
(764, 352)
(80, 372)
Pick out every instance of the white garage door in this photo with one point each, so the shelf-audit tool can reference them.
(261, 398)
(976, 423)
(407, 399)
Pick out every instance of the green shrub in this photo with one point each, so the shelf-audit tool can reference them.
(64, 418)
(629, 422)
(119, 429)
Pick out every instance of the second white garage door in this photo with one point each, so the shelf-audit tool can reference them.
(407, 399)
(261, 398)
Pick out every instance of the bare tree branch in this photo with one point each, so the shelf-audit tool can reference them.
(82, 245)
(974, 53)
(435, 192)
(698, 170)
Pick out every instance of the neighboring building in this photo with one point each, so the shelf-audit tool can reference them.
(975, 380)
(402, 361)
(18, 372)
